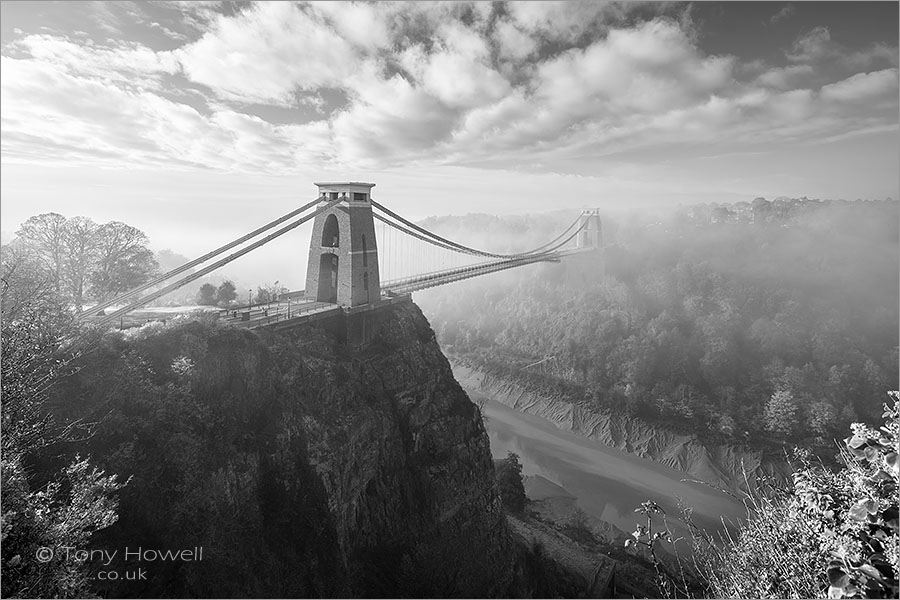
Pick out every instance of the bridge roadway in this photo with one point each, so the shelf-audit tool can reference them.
(408, 285)
(299, 310)
(284, 315)
(273, 312)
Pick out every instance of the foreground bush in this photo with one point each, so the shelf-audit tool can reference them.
(834, 534)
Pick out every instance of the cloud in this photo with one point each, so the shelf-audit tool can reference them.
(458, 72)
(424, 83)
(359, 24)
(168, 32)
(816, 47)
(813, 46)
(124, 62)
(783, 14)
(648, 69)
(75, 119)
(513, 43)
(868, 88)
(565, 20)
(392, 120)
(197, 15)
(785, 77)
(266, 53)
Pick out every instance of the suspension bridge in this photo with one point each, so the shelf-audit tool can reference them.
(362, 256)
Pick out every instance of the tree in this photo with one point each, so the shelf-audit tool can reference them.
(43, 235)
(206, 296)
(226, 293)
(780, 415)
(169, 260)
(83, 258)
(123, 260)
(43, 513)
(39, 523)
(821, 417)
(269, 293)
(81, 243)
(509, 480)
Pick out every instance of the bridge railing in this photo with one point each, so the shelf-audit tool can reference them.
(434, 278)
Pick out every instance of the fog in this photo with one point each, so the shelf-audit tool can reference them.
(697, 315)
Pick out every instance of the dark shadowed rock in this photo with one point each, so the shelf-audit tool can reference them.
(300, 466)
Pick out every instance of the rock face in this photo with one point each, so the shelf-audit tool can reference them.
(723, 466)
(301, 467)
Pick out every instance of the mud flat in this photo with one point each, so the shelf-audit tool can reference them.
(608, 483)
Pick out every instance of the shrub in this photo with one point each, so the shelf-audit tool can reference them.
(834, 533)
(509, 480)
(579, 528)
(865, 562)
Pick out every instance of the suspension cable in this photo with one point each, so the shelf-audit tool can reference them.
(415, 235)
(193, 276)
(178, 270)
(459, 247)
(551, 242)
(511, 261)
(447, 244)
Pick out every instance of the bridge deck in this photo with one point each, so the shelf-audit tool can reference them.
(281, 315)
(420, 282)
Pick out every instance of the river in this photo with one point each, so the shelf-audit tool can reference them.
(609, 484)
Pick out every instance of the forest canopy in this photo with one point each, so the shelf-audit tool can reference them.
(764, 321)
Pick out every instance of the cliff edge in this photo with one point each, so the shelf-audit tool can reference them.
(301, 466)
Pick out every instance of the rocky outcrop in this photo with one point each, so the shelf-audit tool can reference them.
(301, 466)
(725, 466)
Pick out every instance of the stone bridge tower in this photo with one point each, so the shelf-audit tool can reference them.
(592, 234)
(343, 254)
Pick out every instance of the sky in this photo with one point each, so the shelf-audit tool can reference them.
(198, 121)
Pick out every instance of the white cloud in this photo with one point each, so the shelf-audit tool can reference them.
(864, 87)
(650, 69)
(360, 24)
(418, 86)
(812, 46)
(784, 13)
(817, 47)
(785, 77)
(458, 73)
(564, 20)
(124, 62)
(266, 53)
(513, 43)
(76, 119)
(391, 120)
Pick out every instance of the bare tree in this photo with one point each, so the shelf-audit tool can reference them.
(81, 243)
(44, 235)
(123, 260)
(85, 259)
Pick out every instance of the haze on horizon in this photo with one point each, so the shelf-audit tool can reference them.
(197, 121)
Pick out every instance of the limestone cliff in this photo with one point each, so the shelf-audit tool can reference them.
(301, 466)
(724, 466)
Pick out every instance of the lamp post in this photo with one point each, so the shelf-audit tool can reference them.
(250, 299)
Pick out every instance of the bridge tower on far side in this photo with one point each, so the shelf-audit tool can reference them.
(592, 234)
(343, 253)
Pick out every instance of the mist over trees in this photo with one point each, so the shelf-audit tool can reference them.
(85, 260)
(764, 321)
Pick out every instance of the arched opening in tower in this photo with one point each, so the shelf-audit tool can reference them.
(331, 236)
(328, 278)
